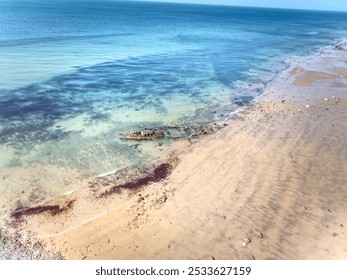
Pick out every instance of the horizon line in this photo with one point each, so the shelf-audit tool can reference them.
(202, 4)
(240, 6)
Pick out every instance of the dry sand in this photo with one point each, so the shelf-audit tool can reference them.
(271, 185)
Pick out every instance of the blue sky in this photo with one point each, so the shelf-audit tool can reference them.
(335, 5)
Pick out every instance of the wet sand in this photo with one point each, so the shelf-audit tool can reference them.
(271, 185)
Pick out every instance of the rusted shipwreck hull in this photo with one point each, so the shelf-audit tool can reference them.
(145, 135)
(174, 132)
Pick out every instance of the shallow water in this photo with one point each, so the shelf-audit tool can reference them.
(77, 75)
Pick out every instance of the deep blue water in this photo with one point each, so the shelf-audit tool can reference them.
(75, 74)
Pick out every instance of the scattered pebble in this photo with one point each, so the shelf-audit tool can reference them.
(326, 99)
(307, 106)
(13, 248)
(299, 110)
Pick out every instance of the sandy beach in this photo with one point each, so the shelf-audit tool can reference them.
(270, 185)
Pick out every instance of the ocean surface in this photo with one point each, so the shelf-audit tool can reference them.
(75, 76)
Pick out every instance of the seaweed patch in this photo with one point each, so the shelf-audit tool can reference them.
(49, 209)
(159, 173)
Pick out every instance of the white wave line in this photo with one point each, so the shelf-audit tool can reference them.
(112, 171)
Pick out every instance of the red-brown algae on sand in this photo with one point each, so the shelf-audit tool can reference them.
(49, 209)
(159, 173)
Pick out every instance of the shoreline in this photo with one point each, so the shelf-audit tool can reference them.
(65, 184)
(268, 186)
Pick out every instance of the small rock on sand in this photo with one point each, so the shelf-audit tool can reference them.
(246, 242)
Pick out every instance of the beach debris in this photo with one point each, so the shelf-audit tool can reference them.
(326, 99)
(307, 106)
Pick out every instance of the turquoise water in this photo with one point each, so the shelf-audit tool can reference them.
(76, 75)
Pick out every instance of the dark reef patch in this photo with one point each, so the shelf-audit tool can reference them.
(243, 100)
(25, 133)
(30, 112)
